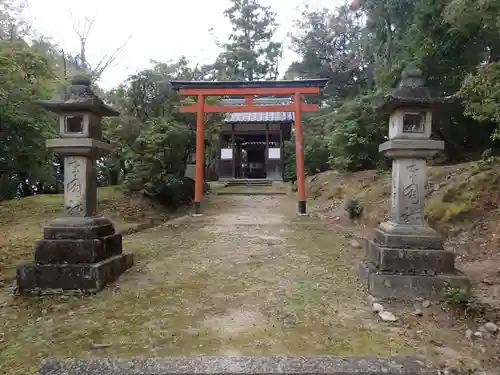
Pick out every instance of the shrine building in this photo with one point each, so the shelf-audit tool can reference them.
(251, 143)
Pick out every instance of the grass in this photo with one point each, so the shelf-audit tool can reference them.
(462, 200)
(22, 221)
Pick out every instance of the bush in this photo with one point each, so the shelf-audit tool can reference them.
(172, 192)
(354, 208)
(356, 132)
(315, 158)
(289, 163)
(462, 299)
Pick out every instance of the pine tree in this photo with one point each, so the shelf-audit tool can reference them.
(249, 54)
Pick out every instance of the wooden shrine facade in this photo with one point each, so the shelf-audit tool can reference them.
(251, 144)
(250, 93)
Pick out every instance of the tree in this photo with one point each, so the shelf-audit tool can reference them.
(480, 90)
(332, 45)
(12, 27)
(152, 140)
(363, 49)
(24, 126)
(82, 29)
(250, 54)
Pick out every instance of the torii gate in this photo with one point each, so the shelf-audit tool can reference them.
(249, 89)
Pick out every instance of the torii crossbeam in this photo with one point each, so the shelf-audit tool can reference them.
(248, 90)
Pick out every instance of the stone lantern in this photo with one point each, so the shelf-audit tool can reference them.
(406, 258)
(81, 252)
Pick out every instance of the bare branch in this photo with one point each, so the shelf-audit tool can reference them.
(106, 62)
(83, 33)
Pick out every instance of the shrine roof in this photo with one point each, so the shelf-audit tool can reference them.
(259, 117)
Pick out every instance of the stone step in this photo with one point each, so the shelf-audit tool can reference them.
(71, 279)
(299, 365)
(410, 261)
(249, 182)
(415, 237)
(386, 285)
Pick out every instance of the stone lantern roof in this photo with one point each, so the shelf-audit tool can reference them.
(78, 97)
(412, 92)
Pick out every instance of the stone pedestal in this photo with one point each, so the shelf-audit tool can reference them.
(406, 259)
(79, 253)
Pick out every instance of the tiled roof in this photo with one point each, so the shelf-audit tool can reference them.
(259, 117)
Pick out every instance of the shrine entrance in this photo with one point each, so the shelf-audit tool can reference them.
(252, 149)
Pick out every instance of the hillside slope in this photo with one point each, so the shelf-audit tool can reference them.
(462, 204)
(22, 221)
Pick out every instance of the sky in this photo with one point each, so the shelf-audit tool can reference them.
(160, 30)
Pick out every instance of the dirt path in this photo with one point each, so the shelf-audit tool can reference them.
(249, 277)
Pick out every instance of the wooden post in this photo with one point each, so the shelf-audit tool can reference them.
(282, 158)
(219, 162)
(299, 156)
(233, 160)
(266, 156)
(200, 148)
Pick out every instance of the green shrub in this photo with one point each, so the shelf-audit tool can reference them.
(462, 299)
(354, 208)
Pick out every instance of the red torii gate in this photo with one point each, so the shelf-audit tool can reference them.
(249, 89)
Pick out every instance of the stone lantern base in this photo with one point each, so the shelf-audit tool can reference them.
(78, 255)
(405, 262)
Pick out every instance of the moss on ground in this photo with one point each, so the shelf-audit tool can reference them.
(22, 221)
(247, 278)
(243, 280)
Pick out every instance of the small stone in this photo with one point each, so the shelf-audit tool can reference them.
(337, 218)
(387, 316)
(426, 304)
(491, 327)
(437, 343)
(478, 334)
(355, 244)
(451, 370)
(418, 312)
(468, 334)
(443, 364)
(488, 282)
(377, 308)
(100, 345)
